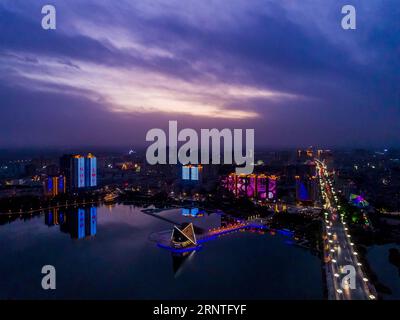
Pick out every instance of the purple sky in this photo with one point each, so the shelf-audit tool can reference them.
(115, 69)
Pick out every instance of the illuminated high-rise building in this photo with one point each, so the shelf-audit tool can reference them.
(90, 171)
(54, 186)
(192, 173)
(185, 173)
(80, 171)
(305, 188)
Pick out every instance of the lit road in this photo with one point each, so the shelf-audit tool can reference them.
(339, 250)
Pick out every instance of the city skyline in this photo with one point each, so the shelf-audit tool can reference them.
(111, 72)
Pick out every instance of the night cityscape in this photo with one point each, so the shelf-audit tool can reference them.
(88, 209)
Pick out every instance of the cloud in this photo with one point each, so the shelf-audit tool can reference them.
(264, 63)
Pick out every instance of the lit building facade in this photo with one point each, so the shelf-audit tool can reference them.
(90, 171)
(80, 171)
(306, 188)
(192, 173)
(272, 187)
(54, 186)
(254, 186)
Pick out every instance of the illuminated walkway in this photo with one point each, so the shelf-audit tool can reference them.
(164, 239)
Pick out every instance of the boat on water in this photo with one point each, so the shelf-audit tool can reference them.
(111, 197)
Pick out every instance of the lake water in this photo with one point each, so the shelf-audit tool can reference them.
(109, 253)
(388, 274)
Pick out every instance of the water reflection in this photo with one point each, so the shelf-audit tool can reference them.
(192, 212)
(79, 224)
(126, 249)
(179, 260)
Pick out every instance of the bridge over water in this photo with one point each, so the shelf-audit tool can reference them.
(163, 238)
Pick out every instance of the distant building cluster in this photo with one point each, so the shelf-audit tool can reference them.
(280, 176)
(75, 172)
(293, 180)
